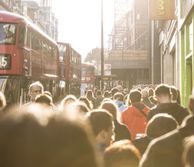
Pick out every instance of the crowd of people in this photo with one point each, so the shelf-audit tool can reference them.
(144, 127)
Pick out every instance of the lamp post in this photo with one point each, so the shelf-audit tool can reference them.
(102, 48)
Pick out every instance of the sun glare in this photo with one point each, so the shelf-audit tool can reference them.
(80, 22)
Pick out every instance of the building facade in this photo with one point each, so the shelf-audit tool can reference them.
(129, 54)
(175, 48)
(186, 38)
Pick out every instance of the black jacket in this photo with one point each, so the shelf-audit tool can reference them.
(142, 143)
(166, 151)
(173, 109)
(121, 131)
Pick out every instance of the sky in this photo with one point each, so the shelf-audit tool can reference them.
(80, 23)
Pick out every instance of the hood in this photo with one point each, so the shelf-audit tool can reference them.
(138, 109)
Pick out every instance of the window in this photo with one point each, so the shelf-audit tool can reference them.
(7, 33)
(35, 42)
(22, 33)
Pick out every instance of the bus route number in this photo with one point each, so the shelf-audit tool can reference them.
(5, 61)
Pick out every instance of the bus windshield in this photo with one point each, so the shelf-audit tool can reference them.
(7, 33)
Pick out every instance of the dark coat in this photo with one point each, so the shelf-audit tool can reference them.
(121, 131)
(142, 143)
(173, 109)
(166, 151)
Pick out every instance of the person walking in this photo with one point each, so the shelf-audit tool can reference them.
(135, 116)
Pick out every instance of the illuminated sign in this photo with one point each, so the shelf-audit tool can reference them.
(162, 9)
(5, 61)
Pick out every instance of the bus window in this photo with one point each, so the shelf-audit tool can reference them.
(44, 48)
(36, 43)
(7, 33)
(28, 43)
(62, 52)
(22, 33)
(49, 50)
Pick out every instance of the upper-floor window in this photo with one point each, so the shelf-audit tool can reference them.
(7, 33)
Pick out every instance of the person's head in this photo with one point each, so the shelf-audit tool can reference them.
(48, 93)
(111, 107)
(135, 96)
(2, 101)
(118, 96)
(163, 94)
(89, 94)
(86, 101)
(67, 101)
(188, 152)
(144, 93)
(120, 88)
(98, 93)
(80, 107)
(114, 90)
(122, 154)
(45, 141)
(102, 125)
(174, 93)
(160, 124)
(44, 99)
(150, 92)
(35, 89)
(106, 94)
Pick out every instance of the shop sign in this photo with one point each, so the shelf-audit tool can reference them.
(162, 9)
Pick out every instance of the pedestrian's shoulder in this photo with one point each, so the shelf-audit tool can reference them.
(167, 140)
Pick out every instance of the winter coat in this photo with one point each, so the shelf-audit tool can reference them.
(135, 117)
(173, 109)
(121, 131)
(166, 151)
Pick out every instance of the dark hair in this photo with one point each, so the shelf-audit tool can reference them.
(98, 93)
(121, 153)
(135, 96)
(81, 107)
(43, 99)
(86, 101)
(118, 96)
(37, 143)
(48, 93)
(114, 90)
(89, 94)
(162, 89)
(174, 93)
(100, 119)
(111, 107)
(150, 92)
(160, 124)
(106, 94)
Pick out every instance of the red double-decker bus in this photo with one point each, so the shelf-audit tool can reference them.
(26, 55)
(70, 68)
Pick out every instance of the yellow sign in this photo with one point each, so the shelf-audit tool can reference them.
(162, 9)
